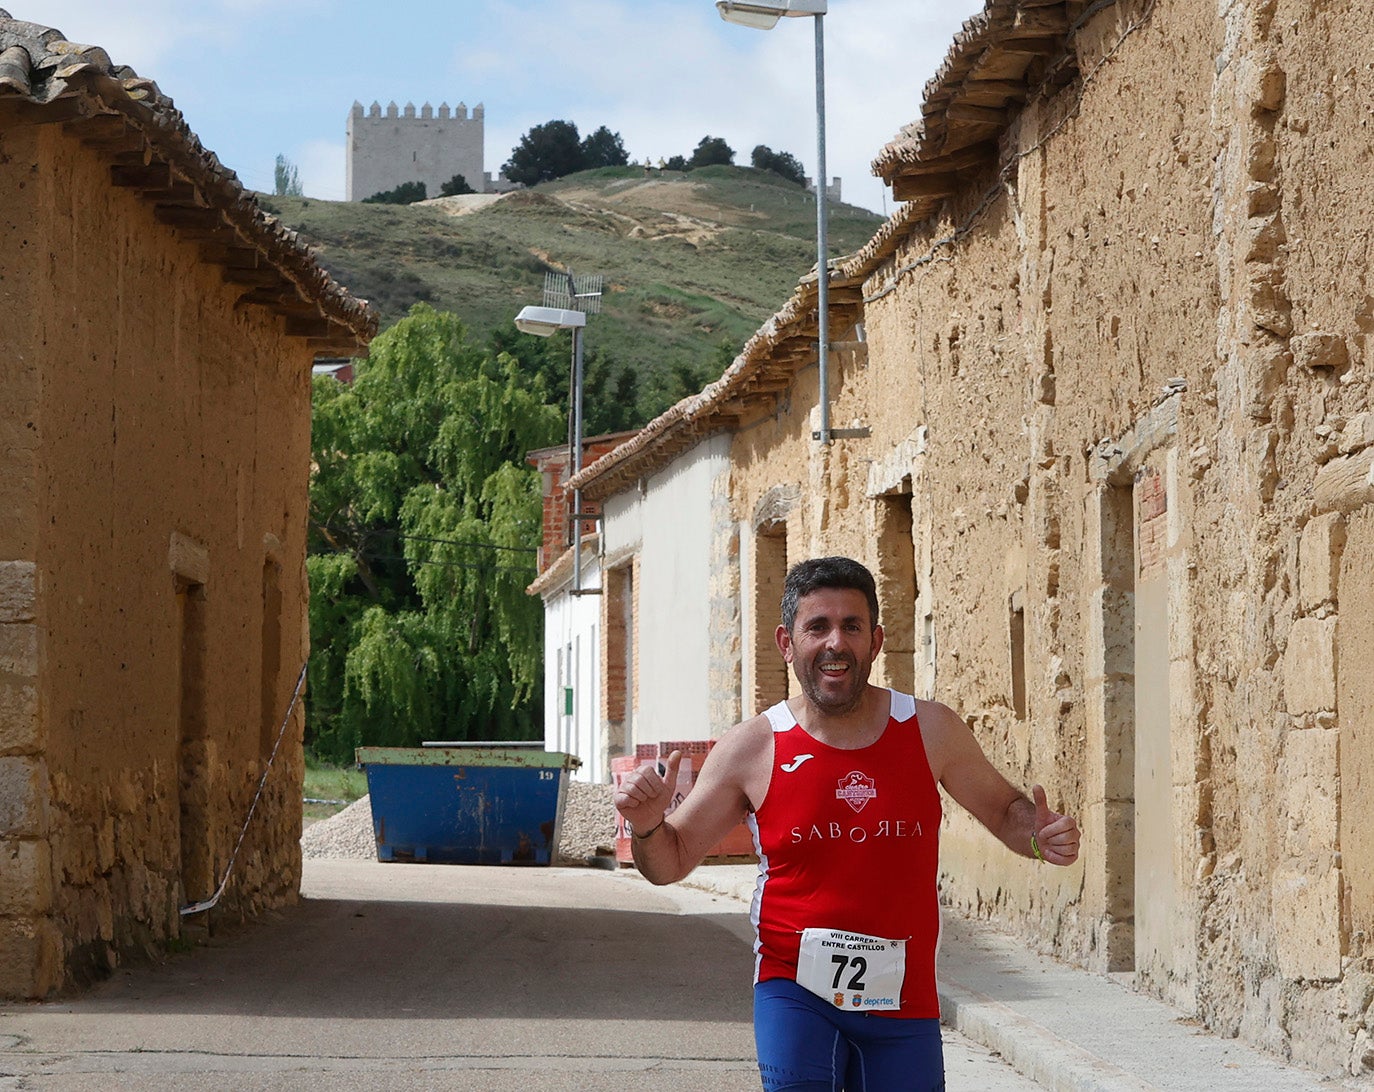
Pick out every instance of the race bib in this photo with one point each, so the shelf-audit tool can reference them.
(851, 970)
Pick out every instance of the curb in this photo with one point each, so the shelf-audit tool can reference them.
(1029, 1048)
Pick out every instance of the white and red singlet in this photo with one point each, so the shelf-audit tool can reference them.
(848, 840)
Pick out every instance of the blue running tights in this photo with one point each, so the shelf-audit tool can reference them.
(807, 1045)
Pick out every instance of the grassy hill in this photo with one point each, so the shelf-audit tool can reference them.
(693, 263)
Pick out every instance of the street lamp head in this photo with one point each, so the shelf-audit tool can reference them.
(547, 321)
(764, 16)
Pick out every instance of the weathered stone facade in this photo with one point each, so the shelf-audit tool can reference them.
(154, 450)
(1117, 483)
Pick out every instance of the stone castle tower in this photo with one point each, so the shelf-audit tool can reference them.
(388, 150)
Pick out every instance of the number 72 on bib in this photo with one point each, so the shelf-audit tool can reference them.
(852, 970)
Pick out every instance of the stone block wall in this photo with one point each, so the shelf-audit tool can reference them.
(1135, 355)
(386, 150)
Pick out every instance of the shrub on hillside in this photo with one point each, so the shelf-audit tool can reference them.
(406, 193)
(603, 148)
(455, 186)
(783, 164)
(711, 151)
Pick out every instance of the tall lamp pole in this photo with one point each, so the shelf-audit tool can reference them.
(545, 322)
(764, 16)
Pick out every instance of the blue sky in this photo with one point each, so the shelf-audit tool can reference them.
(257, 78)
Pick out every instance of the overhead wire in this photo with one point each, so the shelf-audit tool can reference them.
(423, 561)
(425, 538)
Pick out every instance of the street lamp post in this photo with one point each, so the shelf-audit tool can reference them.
(545, 322)
(764, 16)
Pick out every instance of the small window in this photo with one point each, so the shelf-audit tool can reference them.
(1017, 628)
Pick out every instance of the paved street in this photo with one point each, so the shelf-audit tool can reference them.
(434, 977)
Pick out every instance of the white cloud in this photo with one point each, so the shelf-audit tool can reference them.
(321, 167)
(144, 33)
(260, 76)
(665, 75)
(139, 42)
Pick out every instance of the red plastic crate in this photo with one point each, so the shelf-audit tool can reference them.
(738, 843)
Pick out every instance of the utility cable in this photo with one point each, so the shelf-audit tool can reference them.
(207, 904)
(482, 565)
(424, 538)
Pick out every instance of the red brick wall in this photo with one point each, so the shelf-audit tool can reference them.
(1153, 514)
(554, 464)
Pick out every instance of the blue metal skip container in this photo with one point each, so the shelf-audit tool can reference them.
(466, 804)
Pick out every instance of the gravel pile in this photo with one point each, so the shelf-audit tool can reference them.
(588, 822)
(588, 828)
(346, 834)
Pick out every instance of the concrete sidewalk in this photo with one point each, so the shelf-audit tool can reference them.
(1068, 1029)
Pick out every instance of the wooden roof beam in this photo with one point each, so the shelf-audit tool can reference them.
(266, 277)
(992, 92)
(1045, 21)
(799, 344)
(967, 113)
(913, 186)
(277, 297)
(23, 112)
(340, 345)
(320, 329)
(960, 159)
(179, 215)
(154, 176)
(296, 306)
(231, 253)
(1031, 45)
(111, 135)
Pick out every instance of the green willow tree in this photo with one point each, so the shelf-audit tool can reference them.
(424, 519)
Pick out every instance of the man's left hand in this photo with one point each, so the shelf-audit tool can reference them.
(1058, 835)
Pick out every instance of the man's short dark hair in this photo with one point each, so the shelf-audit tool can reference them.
(818, 573)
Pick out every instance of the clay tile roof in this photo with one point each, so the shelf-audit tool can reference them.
(561, 571)
(764, 368)
(973, 96)
(45, 79)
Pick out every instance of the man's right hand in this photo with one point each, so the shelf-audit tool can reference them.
(645, 795)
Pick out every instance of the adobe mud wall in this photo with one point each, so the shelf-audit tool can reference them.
(154, 451)
(1121, 449)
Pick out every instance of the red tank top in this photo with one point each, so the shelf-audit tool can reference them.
(850, 840)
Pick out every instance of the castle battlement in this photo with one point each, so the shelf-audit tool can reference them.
(458, 113)
(388, 148)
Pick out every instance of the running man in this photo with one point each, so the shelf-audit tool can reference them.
(839, 786)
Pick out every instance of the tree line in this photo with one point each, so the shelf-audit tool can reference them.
(554, 150)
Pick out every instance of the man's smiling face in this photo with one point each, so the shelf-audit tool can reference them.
(832, 647)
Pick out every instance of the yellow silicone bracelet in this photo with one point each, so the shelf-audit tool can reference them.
(650, 831)
(1035, 848)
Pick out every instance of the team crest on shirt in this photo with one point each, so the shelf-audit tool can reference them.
(856, 789)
